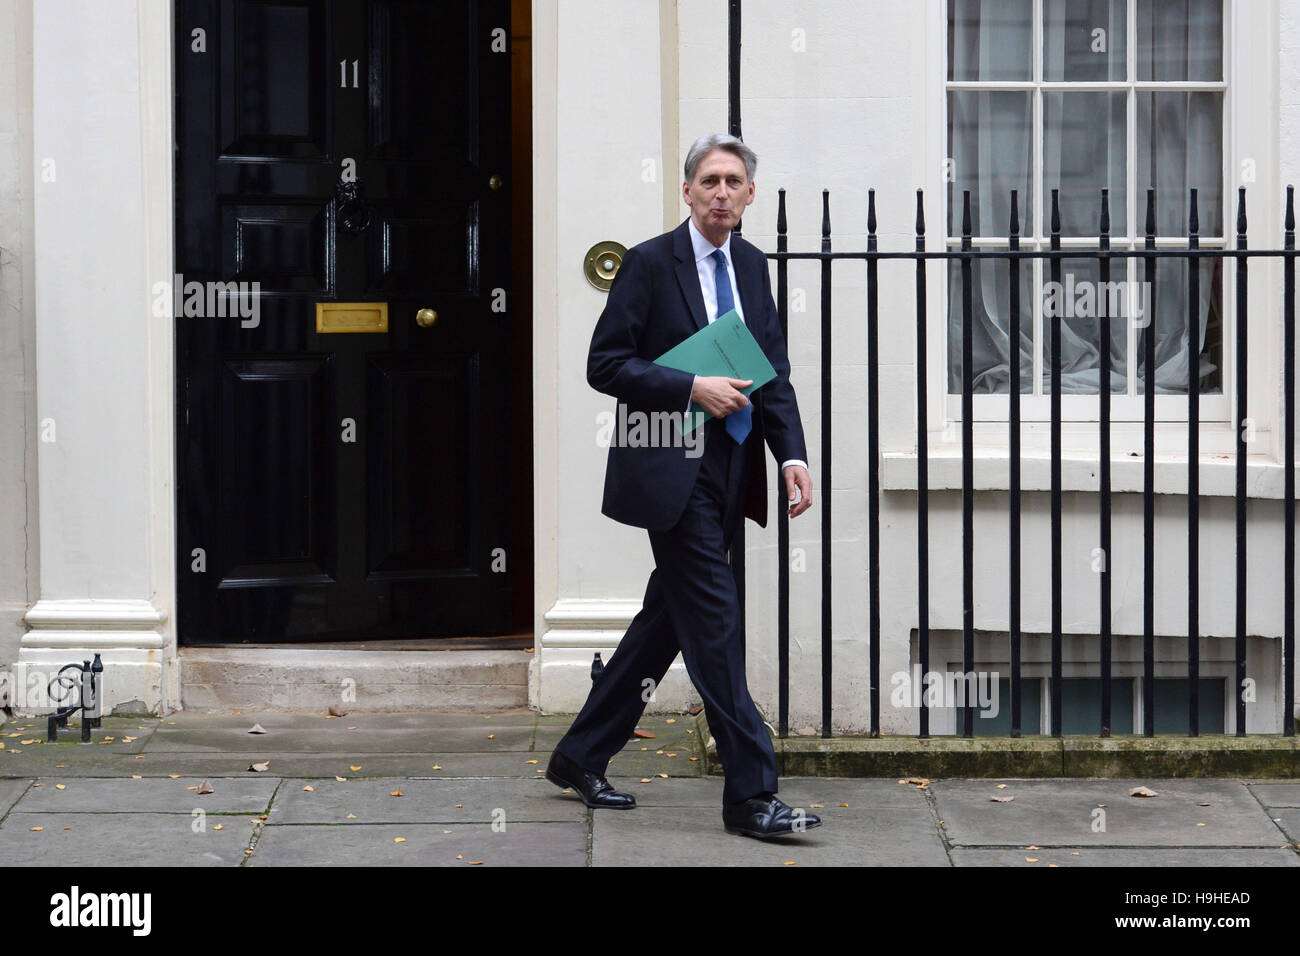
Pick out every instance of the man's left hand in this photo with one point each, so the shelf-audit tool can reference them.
(797, 476)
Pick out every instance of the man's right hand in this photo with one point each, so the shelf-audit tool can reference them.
(719, 395)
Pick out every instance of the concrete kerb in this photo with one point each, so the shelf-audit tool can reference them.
(1212, 755)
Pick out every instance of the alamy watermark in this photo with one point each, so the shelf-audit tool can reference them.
(657, 429)
(208, 300)
(946, 689)
(1086, 299)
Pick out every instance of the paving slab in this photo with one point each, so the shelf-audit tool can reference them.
(520, 844)
(149, 795)
(413, 720)
(692, 836)
(1277, 794)
(340, 740)
(127, 839)
(425, 801)
(1061, 813)
(11, 790)
(1288, 819)
(1119, 856)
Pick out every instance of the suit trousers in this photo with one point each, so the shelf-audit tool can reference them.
(691, 605)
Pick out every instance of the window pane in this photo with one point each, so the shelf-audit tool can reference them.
(1084, 40)
(1187, 132)
(1172, 705)
(1086, 309)
(990, 144)
(1170, 327)
(1081, 705)
(990, 41)
(1084, 150)
(1000, 724)
(990, 312)
(1179, 40)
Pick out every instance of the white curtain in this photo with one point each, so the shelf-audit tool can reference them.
(1179, 144)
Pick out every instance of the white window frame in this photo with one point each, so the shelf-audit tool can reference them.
(1250, 147)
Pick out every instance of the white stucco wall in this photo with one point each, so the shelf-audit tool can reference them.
(18, 520)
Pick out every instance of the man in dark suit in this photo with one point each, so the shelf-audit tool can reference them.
(666, 289)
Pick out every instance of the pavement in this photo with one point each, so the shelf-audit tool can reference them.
(439, 789)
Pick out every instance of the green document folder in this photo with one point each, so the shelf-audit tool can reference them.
(724, 347)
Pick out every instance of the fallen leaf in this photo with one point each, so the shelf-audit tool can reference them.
(351, 816)
(658, 751)
(309, 788)
(399, 839)
(1074, 853)
(60, 786)
(437, 767)
(139, 756)
(475, 862)
(671, 755)
(664, 775)
(1141, 792)
(459, 857)
(491, 736)
(205, 787)
(1002, 786)
(1001, 799)
(530, 761)
(341, 779)
(354, 768)
(256, 729)
(1031, 859)
(920, 782)
(693, 759)
(136, 776)
(26, 742)
(817, 806)
(1053, 864)
(645, 779)
(174, 776)
(671, 720)
(1101, 804)
(195, 787)
(398, 793)
(335, 712)
(643, 734)
(1031, 848)
(259, 767)
(38, 828)
(1200, 824)
(219, 826)
(1203, 804)
(788, 863)
(695, 709)
(844, 804)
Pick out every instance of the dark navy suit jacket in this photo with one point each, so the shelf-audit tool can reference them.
(654, 303)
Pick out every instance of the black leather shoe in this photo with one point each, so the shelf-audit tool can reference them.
(764, 816)
(594, 789)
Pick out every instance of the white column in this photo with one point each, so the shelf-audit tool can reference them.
(102, 135)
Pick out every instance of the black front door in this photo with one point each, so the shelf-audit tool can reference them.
(342, 319)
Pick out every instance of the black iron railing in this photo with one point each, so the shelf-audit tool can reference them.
(1014, 255)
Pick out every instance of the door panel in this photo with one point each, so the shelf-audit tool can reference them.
(342, 485)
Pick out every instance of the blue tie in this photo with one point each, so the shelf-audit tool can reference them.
(739, 421)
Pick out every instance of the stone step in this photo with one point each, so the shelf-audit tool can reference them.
(222, 679)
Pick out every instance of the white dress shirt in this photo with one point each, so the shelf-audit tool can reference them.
(706, 267)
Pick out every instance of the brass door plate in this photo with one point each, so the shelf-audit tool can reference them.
(351, 316)
(602, 262)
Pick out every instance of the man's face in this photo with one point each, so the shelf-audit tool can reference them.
(720, 192)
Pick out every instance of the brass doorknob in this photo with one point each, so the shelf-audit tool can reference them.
(426, 317)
